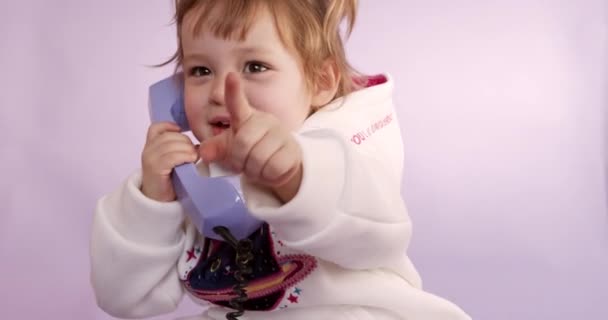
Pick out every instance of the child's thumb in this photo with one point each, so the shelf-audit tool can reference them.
(214, 149)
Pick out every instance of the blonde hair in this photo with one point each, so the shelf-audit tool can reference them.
(312, 26)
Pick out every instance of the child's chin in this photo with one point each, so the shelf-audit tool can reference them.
(216, 131)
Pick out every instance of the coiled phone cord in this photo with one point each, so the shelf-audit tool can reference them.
(244, 255)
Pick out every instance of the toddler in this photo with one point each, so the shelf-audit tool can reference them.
(270, 95)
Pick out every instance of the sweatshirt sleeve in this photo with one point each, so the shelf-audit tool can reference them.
(349, 208)
(135, 245)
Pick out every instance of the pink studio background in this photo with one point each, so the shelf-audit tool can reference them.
(503, 106)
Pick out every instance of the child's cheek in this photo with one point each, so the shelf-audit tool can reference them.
(194, 105)
(195, 113)
(269, 100)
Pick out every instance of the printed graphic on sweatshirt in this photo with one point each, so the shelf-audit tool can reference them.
(274, 277)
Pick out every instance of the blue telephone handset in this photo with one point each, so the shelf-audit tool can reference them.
(210, 202)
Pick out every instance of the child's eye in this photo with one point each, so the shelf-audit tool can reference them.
(255, 67)
(199, 71)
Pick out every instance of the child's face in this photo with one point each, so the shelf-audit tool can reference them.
(271, 76)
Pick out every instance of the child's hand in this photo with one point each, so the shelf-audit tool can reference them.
(165, 148)
(256, 144)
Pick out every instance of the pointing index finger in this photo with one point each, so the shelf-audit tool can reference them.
(236, 102)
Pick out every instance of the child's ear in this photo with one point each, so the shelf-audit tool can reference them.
(325, 85)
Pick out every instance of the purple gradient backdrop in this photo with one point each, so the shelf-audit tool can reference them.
(503, 107)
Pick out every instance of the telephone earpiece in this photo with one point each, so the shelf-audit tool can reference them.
(212, 203)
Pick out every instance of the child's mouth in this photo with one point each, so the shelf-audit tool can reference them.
(219, 126)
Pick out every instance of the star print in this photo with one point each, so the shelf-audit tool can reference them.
(227, 270)
(198, 250)
(297, 291)
(191, 255)
(292, 298)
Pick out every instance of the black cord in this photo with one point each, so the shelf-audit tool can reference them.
(244, 255)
